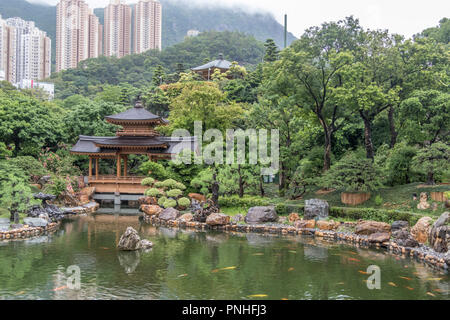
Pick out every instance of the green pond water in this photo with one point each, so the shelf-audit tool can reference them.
(203, 265)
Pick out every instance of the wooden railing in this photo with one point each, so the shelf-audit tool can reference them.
(115, 179)
(137, 132)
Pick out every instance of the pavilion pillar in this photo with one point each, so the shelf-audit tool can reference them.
(125, 164)
(90, 167)
(118, 165)
(96, 168)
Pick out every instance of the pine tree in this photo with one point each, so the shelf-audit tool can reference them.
(271, 51)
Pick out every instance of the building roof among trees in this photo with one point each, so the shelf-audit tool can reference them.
(219, 63)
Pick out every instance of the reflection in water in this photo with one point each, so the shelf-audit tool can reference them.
(129, 260)
(188, 264)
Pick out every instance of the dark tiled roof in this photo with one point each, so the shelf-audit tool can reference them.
(219, 63)
(87, 144)
(138, 112)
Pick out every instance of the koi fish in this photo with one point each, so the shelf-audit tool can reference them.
(409, 288)
(229, 268)
(182, 275)
(258, 254)
(60, 288)
(215, 270)
(406, 278)
(284, 299)
(104, 248)
(431, 294)
(350, 252)
(362, 272)
(354, 259)
(257, 296)
(291, 269)
(340, 283)
(19, 293)
(433, 279)
(292, 251)
(392, 284)
(405, 266)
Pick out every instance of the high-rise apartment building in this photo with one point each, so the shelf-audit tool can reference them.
(147, 26)
(25, 51)
(117, 29)
(78, 34)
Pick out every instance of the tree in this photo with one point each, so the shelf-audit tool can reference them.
(433, 159)
(271, 51)
(16, 194)
(367, 86)
(158, 76)
(309, 71)
(425, 116)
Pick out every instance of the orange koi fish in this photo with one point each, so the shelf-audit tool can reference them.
(363, 272)
(60, 288)
(406, 278)
(409, 288)
(392, 284)
(291, 269)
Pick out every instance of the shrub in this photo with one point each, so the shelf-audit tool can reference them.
(353, 173)
(399, 164)
(169, 203)
(180, 186)
(157, 170)
(378, 200)
(169, 183)
(153, 192)
(148, 181)
(245, 201)
(161, 201)
(281, 209)
(174, 193)
(184, 202)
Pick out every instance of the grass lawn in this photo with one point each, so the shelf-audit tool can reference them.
(390, 198)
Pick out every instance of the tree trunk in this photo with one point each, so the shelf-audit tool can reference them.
(327, 152)
(282, 180)
(241, 182)
(368, 138)
(430, 178)
(394, 133)
(215, 190)
(261, 186)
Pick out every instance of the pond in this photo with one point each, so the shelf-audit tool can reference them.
(203, 265)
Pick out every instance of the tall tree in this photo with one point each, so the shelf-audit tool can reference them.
(271, 51)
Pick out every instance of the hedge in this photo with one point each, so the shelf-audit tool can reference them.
(244, 202)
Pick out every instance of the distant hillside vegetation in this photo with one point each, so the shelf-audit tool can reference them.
(178, 18)
(137, 69)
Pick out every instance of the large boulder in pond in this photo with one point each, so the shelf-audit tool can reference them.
(421, 229)
(217, 219)
(169, 214)
(261, 214)
(35, 222)
(439, 237)
(130, 241)
(316, 209)
(368, 227)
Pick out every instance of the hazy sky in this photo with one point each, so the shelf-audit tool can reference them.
(406, 17)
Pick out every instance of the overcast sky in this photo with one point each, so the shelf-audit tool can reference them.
(406, 17)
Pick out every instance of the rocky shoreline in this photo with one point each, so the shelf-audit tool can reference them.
(27, 232)
(422, 253)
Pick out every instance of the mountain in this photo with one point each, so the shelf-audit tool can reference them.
(178, 17)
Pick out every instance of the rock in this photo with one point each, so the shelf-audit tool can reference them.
(399, 224)
(4, 227)
(146, 244)
(44, 180)
(169, 214)
(421, 230)
(237, 218)
(86, 194)
(379, 237)
(44, 216)
(302, 224)
(35, 222)
(217, 219)
(327, 225)
(17, 226)
(130, 240)
(316, 209)
(151, 210)
(282, 219)
(147, 200)
(4, 221)
(439, 236)
(187, 217)
(197, 196)
(44, 196)
(423, 202)
(367, 227)
(403, 238)
(293, 217)
(261, 214)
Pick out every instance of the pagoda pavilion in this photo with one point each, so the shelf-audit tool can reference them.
(207, 70)
(136, 135)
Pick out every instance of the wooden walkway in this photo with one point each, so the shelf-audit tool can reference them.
(112, 184)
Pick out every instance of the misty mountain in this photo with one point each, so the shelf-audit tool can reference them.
(178, 18)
